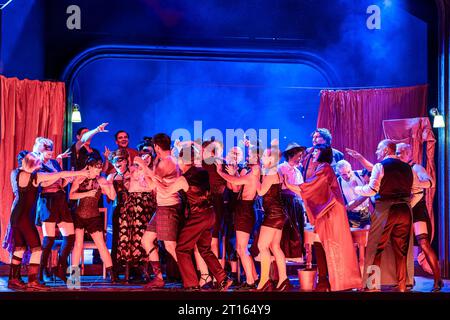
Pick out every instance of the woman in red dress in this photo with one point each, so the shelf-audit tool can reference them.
(336, 257)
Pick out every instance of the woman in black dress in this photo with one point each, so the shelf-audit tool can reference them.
(273, 222)
(25, 181)
(88, 190)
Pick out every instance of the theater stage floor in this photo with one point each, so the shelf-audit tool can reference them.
(95, 288)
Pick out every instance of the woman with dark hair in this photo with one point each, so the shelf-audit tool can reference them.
(139, 208)
(23, 232)
(88, 190)
(292, 238)
(336, 257)
(121, 182)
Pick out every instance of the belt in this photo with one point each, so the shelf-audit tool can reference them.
(52, 193)
(392, 197)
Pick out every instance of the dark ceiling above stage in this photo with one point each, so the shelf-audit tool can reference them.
(37, 44)
(250, 23)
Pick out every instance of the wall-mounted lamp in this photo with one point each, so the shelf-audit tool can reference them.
(438, 119)
(76, 115)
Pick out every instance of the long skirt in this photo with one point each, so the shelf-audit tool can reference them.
(292, 237)
(137, 211)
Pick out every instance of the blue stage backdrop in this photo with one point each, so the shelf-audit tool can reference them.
(144, 97)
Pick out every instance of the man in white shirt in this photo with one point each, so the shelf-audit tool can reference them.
(292, 237)
(357, 206)
(390, 240)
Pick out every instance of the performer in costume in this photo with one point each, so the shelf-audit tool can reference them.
(336, 257)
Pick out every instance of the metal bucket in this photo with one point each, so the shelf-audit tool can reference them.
(307, 279)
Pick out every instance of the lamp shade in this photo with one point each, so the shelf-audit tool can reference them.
(438, 121)
(76, 115)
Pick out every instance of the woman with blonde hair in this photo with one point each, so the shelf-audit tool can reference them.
(53, 210)
(25, 181)
(273, 222)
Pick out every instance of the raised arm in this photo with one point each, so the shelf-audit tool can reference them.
(239, 181)
(107, 188)
(75, 195)
(146, 171)
(88, 135)
(54, 176)
(293, 187)
(231, 186)
(356, 155)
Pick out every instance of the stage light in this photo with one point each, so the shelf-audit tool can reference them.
(76, 115)
(3, 5)
(387, 3)
(438, 119)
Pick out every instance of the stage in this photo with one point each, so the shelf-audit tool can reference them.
(96, 288)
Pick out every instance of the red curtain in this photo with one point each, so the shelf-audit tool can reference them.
(28, 109)
(355, 117)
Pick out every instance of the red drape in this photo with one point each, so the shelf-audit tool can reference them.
(28, 109)
(355, 117)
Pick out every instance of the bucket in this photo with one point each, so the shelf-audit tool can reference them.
(307, 279)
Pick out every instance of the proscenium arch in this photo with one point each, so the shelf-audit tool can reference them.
(187, 53)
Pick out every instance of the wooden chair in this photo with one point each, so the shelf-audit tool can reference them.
(91, 244)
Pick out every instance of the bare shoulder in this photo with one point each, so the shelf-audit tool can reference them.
(167, 162)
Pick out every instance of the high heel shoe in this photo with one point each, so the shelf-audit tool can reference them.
(206, 281)
(284, 286)
(268, 286)
(438, 286)
(112, 275)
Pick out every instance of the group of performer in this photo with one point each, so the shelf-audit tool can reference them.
(186, 198)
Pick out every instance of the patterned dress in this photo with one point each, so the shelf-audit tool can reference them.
(136, 212)
(120, 186)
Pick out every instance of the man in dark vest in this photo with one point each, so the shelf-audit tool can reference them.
(390, 240)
